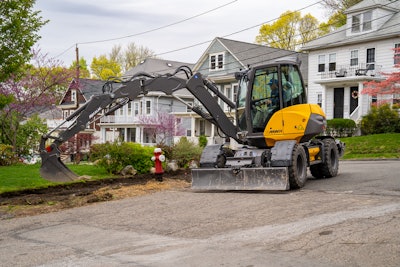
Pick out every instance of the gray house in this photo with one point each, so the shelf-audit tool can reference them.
(145, 119)
(223, 58)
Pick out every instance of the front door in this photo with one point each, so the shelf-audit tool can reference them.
(338, 98)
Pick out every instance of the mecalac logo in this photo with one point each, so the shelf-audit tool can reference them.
(275, 131)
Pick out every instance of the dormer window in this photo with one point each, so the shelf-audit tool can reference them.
(217, 61)
(355, 23)
(367, 18)
(363, 20)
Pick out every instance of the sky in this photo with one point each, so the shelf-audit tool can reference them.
(176, 30)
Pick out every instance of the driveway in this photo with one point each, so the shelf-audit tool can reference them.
(350, 220)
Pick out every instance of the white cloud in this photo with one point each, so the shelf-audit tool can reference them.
(74, 21)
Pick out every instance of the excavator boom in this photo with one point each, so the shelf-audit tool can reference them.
(118, 93)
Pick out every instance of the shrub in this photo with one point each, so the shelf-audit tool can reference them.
(7, 156)
(341, 127)
(202, 141)
(115, 156)
(185, 151)
(380, 119)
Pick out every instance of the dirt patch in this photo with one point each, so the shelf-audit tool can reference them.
(32, 202)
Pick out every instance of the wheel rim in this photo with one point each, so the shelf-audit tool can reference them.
(300, 167)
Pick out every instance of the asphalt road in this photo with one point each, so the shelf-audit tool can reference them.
(350, 220)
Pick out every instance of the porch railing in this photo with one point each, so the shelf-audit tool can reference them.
(363, 69)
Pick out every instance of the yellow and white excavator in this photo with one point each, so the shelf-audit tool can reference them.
(277, 135)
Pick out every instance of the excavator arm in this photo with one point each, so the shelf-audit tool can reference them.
(118, 93)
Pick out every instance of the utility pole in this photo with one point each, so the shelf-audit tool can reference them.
(77, 63)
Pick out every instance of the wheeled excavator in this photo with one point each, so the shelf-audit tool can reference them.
(275, 137)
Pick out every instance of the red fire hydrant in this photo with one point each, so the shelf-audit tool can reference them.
(158, 158)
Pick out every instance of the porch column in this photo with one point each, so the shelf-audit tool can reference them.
(103, 135)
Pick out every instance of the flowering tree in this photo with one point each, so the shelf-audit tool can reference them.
(389, 86)
(41, 85)
(162, 127)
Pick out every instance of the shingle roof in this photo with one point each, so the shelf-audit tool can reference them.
(249, 54)
(89, 87)
(155, 66)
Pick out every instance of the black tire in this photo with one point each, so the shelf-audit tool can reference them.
(298, 169)
(330, 167)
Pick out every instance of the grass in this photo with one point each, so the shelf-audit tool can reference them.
(20, 177)
(377, 146)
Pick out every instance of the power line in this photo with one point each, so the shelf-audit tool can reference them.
(159, 28)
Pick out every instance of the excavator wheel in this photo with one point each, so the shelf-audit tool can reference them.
(329, 168)
(298, 168)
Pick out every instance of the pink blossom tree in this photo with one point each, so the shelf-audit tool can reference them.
(389, 86)
(162, 127)
(40, 86)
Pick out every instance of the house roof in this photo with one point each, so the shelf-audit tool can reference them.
(339, 38)
(249, 54)
(87, 87)
(368, 4)
(155, 66)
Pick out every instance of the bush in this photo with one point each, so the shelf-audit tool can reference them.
(381, 119)
(7, 156)
(341, 127)
(185, 151)
(202, 141)
(114, 156)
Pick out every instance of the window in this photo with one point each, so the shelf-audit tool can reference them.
(202, 127)
(321, 63)
(129, 108)
(332, 62)
(136, 108)
(73, 95)
(397, 53)
(354, 58)
(217, 61)
(371, 58)
(148, 107)
(355, 23)
(121, 111)
(319, 99)
(367, 18)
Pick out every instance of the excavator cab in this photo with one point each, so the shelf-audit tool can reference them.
(263, 91)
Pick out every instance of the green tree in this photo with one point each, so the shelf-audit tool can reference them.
(289, 31)
(336, 9)
(29, 135)
(104, 68)
(19, 25)
(83, 68)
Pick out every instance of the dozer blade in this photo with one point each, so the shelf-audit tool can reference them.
(53, 169)
(276, 178)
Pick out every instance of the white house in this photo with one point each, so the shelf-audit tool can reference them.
(340, 62)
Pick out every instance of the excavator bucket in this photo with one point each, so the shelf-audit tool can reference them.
(276, 178)
(53, 169)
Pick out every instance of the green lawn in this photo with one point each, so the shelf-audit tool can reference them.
(377, 146)
(19, 177)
